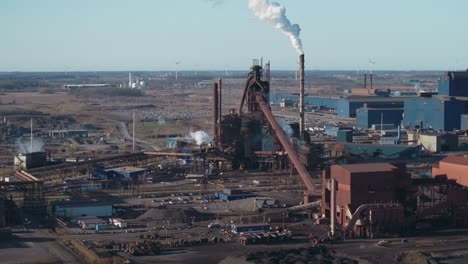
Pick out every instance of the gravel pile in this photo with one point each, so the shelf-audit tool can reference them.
(167, 115)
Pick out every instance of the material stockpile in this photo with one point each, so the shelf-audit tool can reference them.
(166, 115)
(175, 215)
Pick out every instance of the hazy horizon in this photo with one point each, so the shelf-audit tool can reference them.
(204, 35)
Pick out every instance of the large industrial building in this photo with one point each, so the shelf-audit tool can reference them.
(444, 111)
(347, 107)
(366, 117)
(359, 184)
(373, 198)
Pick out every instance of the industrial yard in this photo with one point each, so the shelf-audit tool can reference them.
(165, 183)
(196, 160)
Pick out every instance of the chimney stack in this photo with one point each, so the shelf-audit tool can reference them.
(220, 110)
(216, 114)
(301, 96)
(365, 81)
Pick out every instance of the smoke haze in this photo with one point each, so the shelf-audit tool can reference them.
(286, 127)
(24, 146)
(201, 137)
(275, 15)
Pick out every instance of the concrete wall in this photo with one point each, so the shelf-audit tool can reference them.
(438, 142)
(77, 211)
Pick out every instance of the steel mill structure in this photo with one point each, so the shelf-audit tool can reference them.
(357, 200)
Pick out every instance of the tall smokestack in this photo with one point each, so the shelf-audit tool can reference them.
(220, 109)
(31, 147)
(301, 96)
(371, 81)
(215, 117)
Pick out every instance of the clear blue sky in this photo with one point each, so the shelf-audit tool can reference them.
(49, 35)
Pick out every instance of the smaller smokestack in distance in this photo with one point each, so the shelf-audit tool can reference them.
(365, 81)
(301, 96)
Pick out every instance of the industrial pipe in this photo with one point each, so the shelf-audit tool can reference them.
(244, 94)
(278, 131)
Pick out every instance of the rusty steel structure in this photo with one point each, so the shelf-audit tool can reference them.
(256, 96)
(53, 177)
(217, 111)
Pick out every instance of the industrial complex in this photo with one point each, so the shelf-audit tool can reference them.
(278, 168)
(259, 165)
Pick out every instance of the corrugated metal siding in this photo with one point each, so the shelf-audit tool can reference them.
(443, 86)
(365, 117)
(342, 109)
(464, 122)
(435, 115)
(453, 110)
(322, 102)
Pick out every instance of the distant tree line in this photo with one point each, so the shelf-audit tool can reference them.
(20, 85)
(106, 92)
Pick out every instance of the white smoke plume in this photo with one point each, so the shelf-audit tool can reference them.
(24, 145)
(201, 137)
(275, 15)
(286, 127)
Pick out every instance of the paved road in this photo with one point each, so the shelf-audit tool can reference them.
(124, 131)
(448, 243)
(38, 246)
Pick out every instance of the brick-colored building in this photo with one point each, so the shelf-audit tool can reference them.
(455, 167)
(368, 183)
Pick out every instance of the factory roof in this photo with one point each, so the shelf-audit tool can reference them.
(457, 74)
(384, 109)
(451, 98)
(81, 204)
(355, 98)
(459, 160)
(129, 169)
(368, 167)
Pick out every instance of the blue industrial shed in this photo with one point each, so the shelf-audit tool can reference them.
(382, 151)
(347, 107)
(366, 117)
(313, 101)
(443, 111)
(438, 113)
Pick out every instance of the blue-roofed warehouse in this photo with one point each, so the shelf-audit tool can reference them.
(312, 101)
(444, 111)
(347, 107)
